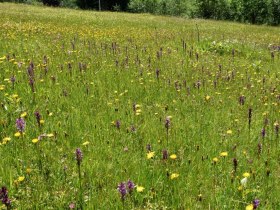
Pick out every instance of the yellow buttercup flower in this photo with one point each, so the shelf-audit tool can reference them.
(42, 122)
(215, 159)
(173, 157)
(34, 141)
(174, 176)
(17, 134)
(224, 154)
(23, 114)
(207, 98)
(250, 207)
(246, 174)
(21, 178)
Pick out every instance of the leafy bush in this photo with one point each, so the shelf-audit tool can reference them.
(52, 2)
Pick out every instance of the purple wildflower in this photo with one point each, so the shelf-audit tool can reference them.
(164, 154)
(38, 117)
(149, 147)
(157, 73)
(256, 203)
(13, 79)
(72, 206)
(31, 83)
(235, 164)
(263, 132)
(122, 190)
(259, 148)
(4, 197)
(130, 186)
(118, 124)
(20, 124)
(250, 117)
(167, 123)
(79, 156)
(242, 100)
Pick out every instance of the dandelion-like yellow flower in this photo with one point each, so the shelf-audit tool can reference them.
(215, 159)
(21, 178)
(173, 157)
(150, 155)
(229, 132)
(207, 98)
(17, 134)
(42, 122)
(246, 174)
(224, 154)
(250, 207)
(34, 141)
(6, 139)
(23, 114)
(139, 188)
(174, 176)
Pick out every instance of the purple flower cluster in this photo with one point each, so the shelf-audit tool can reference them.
(125, 188)
(256, 203)
(38, 117)
(20, 124)
(167, 123)
(4, 197)
(164, 154)
(79, 156)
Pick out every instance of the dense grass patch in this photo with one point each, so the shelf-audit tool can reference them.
(188, 110)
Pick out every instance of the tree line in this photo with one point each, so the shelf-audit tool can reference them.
(248, 11)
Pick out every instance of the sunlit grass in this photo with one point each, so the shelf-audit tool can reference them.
(188, 110)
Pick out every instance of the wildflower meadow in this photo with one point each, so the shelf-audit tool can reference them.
(108, 110)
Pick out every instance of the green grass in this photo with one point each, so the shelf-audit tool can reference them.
(97, 66)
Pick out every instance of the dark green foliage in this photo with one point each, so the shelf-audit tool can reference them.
(247, 11)
(51, 2)
(274, 8)
(105, 4)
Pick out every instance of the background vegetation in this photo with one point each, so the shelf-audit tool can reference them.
(247, 11)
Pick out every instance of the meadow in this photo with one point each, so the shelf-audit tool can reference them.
(104, 110)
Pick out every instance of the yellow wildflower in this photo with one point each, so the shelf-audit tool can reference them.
(23, 114)
(224, 154)
(174, 176)
(42, 122)
(229, 132)
(250, 207)
(150, 155)
(215, 159)
(21, 178)
(35, 141)
(173, 157)
(17, 134)
(139, 188)
(246, 174)
(207, 98)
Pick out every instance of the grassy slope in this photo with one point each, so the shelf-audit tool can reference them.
(85, 102)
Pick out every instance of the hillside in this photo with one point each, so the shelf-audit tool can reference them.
(187, 110)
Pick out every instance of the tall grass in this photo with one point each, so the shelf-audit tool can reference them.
(161, 115)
